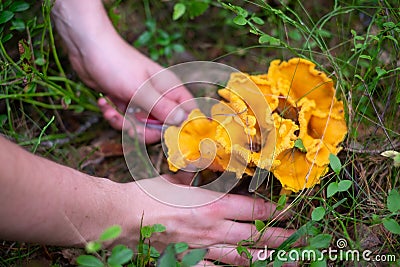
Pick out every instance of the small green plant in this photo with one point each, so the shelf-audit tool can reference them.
(191, 8)
(191, 258)
(393, 205)
(146, 255)
(9, 11)
(159, 42)
(119, 255)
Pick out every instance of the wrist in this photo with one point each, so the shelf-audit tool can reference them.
(82, 24)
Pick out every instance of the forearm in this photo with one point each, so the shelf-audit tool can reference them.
(44, 202)
(100, 56)
(82, 22)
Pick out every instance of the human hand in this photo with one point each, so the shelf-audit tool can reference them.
(217, 226)
(105, 62)
(121, 86)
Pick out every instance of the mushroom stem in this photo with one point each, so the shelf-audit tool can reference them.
(285, 192)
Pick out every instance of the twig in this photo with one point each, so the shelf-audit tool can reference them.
(372, 151)
(92, 120)
(12, 82)
(377, 113)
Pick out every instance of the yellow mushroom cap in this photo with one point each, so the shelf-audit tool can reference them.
(304, 81)
(295, 172)
(192, 143)
(258, 122)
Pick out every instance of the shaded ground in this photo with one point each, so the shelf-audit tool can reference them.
(96, 149)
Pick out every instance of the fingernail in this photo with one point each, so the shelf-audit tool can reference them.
(178, 116)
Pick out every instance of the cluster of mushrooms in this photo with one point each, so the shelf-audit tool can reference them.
(287, 121)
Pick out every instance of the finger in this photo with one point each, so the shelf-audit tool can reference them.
(235, 232)
(182, 96)
(244, 208)
(116, 120)
(229, 254)
(206, 264)
(164, 109)
(149, 136)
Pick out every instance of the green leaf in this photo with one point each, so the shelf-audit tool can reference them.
(145, 249)
(332, 189)
(389, 24)
(398, 98)
(324, 33)
(320, 241)
(241, 11)
(391, 225)
(178, 48)
(344, 185)
(240, 20)
(375, 219)
(318, 214)
(92, 247)
(380, 71)
(7, 37)
(143, 39)
(89, 261)
(335, 163)
(319, 263)
(244, 251)
(5, 3)
(260, 225)
(40, 61)
(18, 25)
(111, 233)
(153, 251)
(179, 10)
(393, 201)
(5, 16)
(257, 20)
(193, 257)
(67, 100)
(19, 6)
(392, 38)
(358, 46)
(196, 8)
(295, 35)
(120, 255)
(281, 202)
(168, 258)
(265, 38)
(260, 263)
(397, 160)
(299, 145)
(3, 119)
(277, 263)
(158, 228)
(366, 57)
(151, 25)
(146, 231)
(306, 229)
(181, 247)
